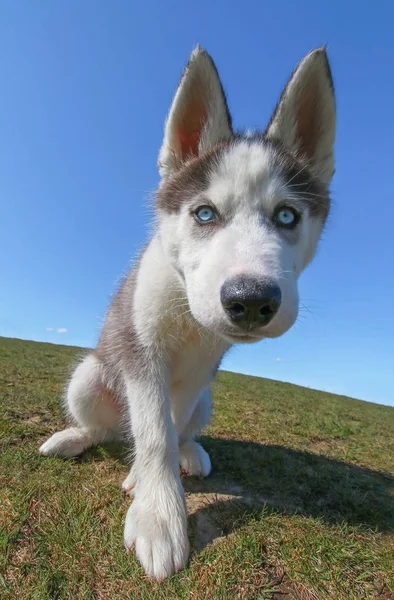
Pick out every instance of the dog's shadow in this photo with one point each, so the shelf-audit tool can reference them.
(248, 477)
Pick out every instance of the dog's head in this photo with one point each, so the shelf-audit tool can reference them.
(241, 215)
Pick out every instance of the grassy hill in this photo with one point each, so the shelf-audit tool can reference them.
(299, 506)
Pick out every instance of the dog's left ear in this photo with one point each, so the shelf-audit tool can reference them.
(199, 117)
(304, 119)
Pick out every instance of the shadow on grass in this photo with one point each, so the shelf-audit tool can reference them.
(292, 481)
(260, 477)
(117, 450)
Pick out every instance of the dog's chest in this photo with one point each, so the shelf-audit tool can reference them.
(195, 361)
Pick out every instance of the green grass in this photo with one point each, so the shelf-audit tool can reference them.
(299, 506)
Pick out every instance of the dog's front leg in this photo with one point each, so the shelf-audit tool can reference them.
(156, 522)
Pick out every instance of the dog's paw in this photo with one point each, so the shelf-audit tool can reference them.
(194, 460)
(67, 443)
(159, 537)
(128, 485)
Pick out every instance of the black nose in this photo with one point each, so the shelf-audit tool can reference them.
(250, 302)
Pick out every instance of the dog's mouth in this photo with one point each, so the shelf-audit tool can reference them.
(242, 338)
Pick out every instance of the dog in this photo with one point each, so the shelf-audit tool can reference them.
(238, 218)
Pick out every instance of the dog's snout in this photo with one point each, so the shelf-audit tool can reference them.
(250, 302)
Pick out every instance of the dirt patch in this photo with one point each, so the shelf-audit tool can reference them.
(322, 446)
(35, 420)
(212, 512)
(285, 589)
(207, 530)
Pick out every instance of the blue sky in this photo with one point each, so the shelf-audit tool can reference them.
(85, 88)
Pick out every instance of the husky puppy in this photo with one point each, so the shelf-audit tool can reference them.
(238, 217)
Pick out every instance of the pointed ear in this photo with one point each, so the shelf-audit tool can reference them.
(199, 117)
(304, 119)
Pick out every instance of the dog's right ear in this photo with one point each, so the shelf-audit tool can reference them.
(199, 117)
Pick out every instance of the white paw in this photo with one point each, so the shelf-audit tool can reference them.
(158, 532)
(128, 485)
(194, 460)
(67, 443)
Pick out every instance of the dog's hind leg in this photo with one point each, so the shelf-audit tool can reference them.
(95, 413)
(193, 459)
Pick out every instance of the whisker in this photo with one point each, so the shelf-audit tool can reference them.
(311, 194)
(296, 175)
(313, 199)
(293, 185)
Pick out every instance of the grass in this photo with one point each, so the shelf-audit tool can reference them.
(300, 504)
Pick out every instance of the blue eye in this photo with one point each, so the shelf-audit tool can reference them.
(205, 214)
(287, 217)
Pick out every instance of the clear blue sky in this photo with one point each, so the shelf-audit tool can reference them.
(85, 88)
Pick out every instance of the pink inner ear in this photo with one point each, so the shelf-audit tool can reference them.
(188, 141)
(190, 128)
(308, 121)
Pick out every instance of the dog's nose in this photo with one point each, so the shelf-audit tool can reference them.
(250, 302)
